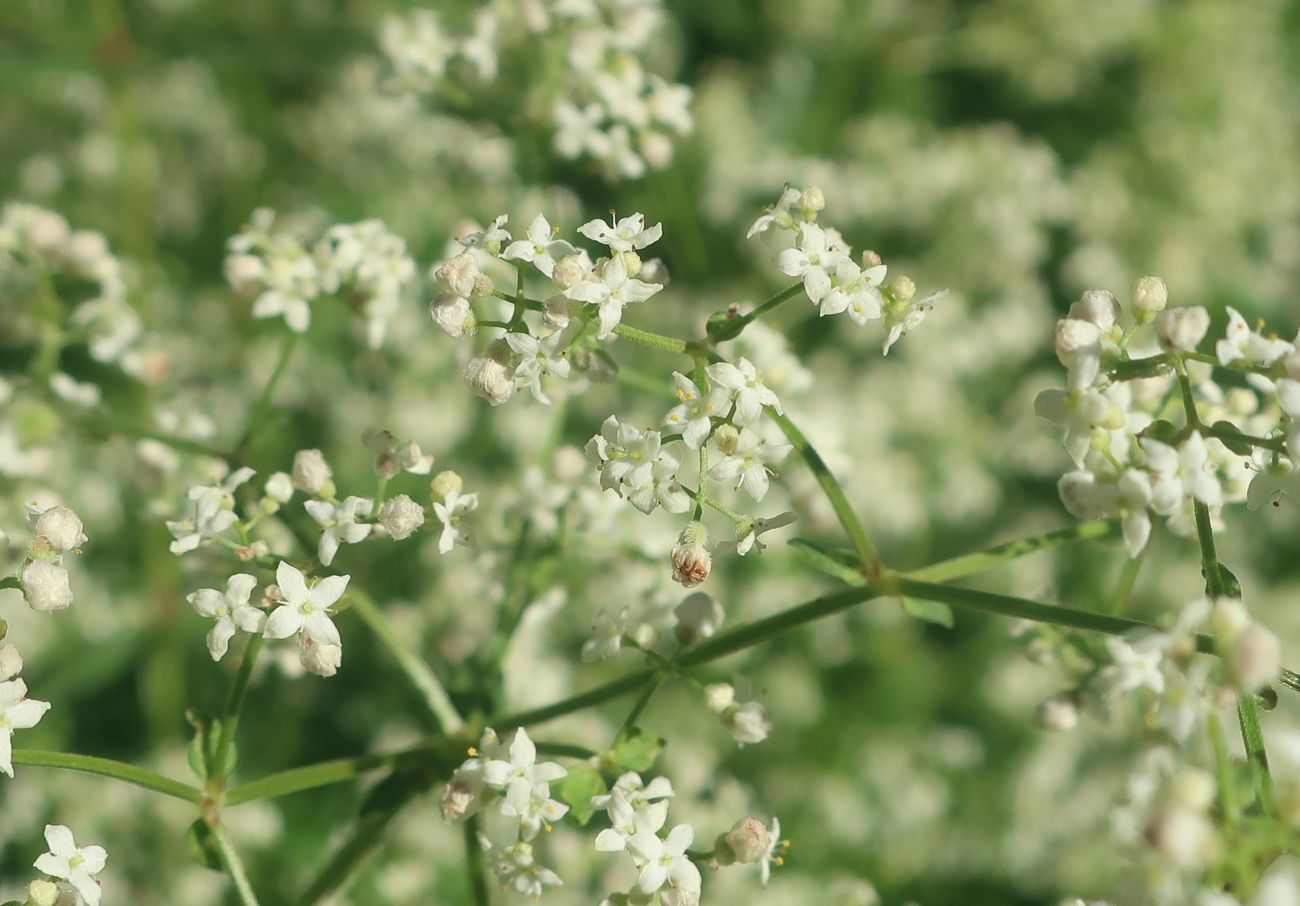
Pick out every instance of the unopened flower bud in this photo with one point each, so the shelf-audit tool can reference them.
(445, 483)
(43, 893)
(490, 379)
(679, 896)
(749, 723)
(719, 696)
(1074, 335)
(870, 258)
(1058, 713)
(655, 271)
(1182, 328)
(902, 288)
(1097, 307)
(1254, 658)
(1193, 789)
(727, 437)
(401, 516)
(555, 312)
(632, 261)
(568, 271)
(279, 487)
(748, 840)
(811, 201)
(451, 313)
(1183, 837)
(1292, 365)
(691, 559)
(11, 663)
(698, 617)
(311, 473)
(322, 660)
(244, 273)
(1150, 296)
(461, 798)
(459, 275)
(61, 527)
(46, 586)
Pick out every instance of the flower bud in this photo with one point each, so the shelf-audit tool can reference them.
(322, 660)
(279, 487)
(727, 437)
(458, 275)
(445, 483)
(490, 379)
(61, 527)
(1074, 335)
(555, 312)
(461, 798)
(902, 288)
(811, 201)
(11, 663)
(452, 315)
(632, 261)
(748, 840)
(43, 893)
(1182, 328)
(691, 559)
(311, 473)
(1193, 789)
(698, 617)
(1097, 307)
(749, 723)
(1083, 497)
(719, 696)
(870, 258)
(679, 896)
(401, 516)
(655, 271)
(1254, 658)
(46, 586)
(568, 271)
(1150, 296)
(1058, 713)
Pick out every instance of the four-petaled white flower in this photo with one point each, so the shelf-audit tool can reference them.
(1180, 472)
(749, 540)
(17, 712)
(629, 234)
(815, 255)
(68, 862)
(230, 609)
(778, 215)
(451, 512)
(536, 358)
(900, 320)
(746, 389)
(746, 460)
(626, 821)
(1240, 342)
(541, 248)
(491, 238)
(856, 291)
(526, 782)
(610, 291)
(339, 524)
(1133, 666)
(214, 512)
(693, 415)
(664, 860)
(305, 609)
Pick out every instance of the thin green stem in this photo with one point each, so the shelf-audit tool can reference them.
(790, 292)
(651, 339)
(234, 866)
(182, 444)
(866, 551)
(478, 882)
(104, 767)
(966, 564)
(648, 693)
(1253, 739)
(263, 405)
(337, 770)
(234, 704)
(417, 671)
(1223, 770)
(1127, 579)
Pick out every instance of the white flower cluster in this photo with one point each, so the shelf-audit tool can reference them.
(43, 577)
(72, 868)
(602, 102)
(34, 238)
(823, 261)
(17, 711)
(1130, 460)
(363, 261)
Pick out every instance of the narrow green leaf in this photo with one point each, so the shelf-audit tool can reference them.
(203, 845)
(930, 611)
(825, 561)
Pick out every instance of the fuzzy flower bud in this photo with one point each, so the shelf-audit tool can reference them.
(719, 697)
(1073, 335)
(555, 312)
(691, 559)
(452, 315)
(902, 288)
(489, 378)
(445, 483)
(311, 473)
(1058, 713)
(46, 586)
(1254, 658)
(748, 840)
(1182, 328)
(60, 527)
(43, 893)
(727, 437)
(322, 660)
(811, 201)
(401, 516)
(461, 798)
(871, 258)
(749, 723)
(698, 617)
(1150, 296)
(1097, 307)
(458, 275)
(279, 487)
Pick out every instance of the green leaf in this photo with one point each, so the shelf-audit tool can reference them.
(636, 750)
(930, 611)
(576, 789)
(829, 562)
(1162, 430)
(1230, 434)
(1231, 587)
(203, 846)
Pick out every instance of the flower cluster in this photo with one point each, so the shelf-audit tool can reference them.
(601, 101)
(832, 279)
(363, 262)
(44, 579)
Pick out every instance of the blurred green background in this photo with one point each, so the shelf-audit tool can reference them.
(1018, 151)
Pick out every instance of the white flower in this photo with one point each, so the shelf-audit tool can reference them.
(633, 465)
(452, 315)
(628, 234)
(612, 290)
(1150, 295)
(230, 609)
(626, 821)
(694, 414)
(1180, 472)
(522, 774)
(339, 524)
(664, 861)
(746, 460)
(67, 862)
(1097, 306)
(900, 320)
(460, 275)
(606, 635)
(451, 512)
(279, 487)
(778, 215)
(320, 658)
(699, 616)
(749, 539)
(488, 377)
(775, 847)
(1254, 658)
(1182, 328)
(578, 132)
(746, 389)
(812, 259)
(541, 248)
(1079, 412)
(489, 239)
(59, 526)
(749, 722)
(400, 516)
(537, 357)
(636, 791)
(46, 586)
(11, 662)
(1240, 342)
(17, 712)
(1133, 667)
(748, 840)
(856, 291)
(311, 473)
(305, 609)
(213, 512)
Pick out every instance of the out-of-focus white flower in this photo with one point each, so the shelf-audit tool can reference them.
(699, 616)
(17, 712)
(451, 511)
(606, 635)
(46, 586)
(1240, 342)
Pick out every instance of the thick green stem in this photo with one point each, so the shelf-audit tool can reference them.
(104, 767)
(234, 866)
(866, 551)
(966, 564)
(417, 671)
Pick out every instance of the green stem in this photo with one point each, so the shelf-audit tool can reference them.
(104, 767)
(327, 773)
(363, 842)
(478, 882)
(640, 706)
(790, 292)
(1253, 739)
(1223, 770)
(182, 444)
(263, 405)
(234, 866)
(1127, 579)
(835, 493)
(234, 704)
(417, 671)
(966, 564)
(651, 339)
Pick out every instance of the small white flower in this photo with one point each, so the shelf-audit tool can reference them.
(213, 512)
(626, 821)
(664, 861)
(1240, 342)
(1181, 472)
(856, 291)
(522, 774)
(746, 389)
(815, 255)
(749, 539)
(1133, 667)
(1182, 328)
(747, 457)
(606, 635)
(490, 378)
(775, 847)
(778, 215)
(694, 414)
(628, 234)
(305, 609)
(230, 609)
(490, 239)
(536, 358)
(541, 248)
(17, 712)
(339, 524)
(46, 586)
(610, 292)
(76, 865)
(311, 473)
(749, 722)
(451, 512)
(900, 320)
